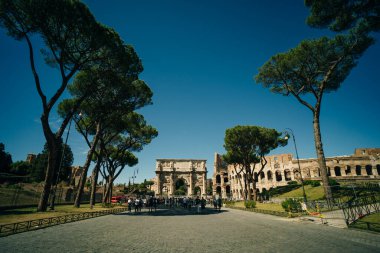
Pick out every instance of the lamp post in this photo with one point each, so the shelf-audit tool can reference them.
(290, 132)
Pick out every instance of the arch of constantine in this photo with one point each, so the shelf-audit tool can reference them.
(363, 165)
(180, 177)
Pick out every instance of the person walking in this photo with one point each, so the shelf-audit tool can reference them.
(219, 203)
(130, 203)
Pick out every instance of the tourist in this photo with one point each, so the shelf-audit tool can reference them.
(219, 202)
(130, 203)
(203, 203)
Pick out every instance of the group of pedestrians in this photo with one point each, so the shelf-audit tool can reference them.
(217, 203)
(185, 202)
(137, 203)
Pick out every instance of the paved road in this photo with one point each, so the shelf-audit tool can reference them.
(184, 231)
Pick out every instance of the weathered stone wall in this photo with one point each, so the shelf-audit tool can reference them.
(364, 164)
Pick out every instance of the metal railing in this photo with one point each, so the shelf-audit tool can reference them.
(19, 227)
(361, 207)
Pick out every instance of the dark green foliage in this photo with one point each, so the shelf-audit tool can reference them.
(180, 187)
(250, 204)
(5, 159)
(333, 182)
(39, 165)
(38, 169)
(292, 205)
(339, 15)
(20, 168)
(143, 189)
(313, 183)
(292, 183)
(314, 66)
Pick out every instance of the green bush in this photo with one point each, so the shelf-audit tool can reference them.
(333, 182)
(291, 205)
(292, 183)
(313, 183)
(250, 204)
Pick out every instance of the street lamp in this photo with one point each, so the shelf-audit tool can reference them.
(287, 133)
(60, 165)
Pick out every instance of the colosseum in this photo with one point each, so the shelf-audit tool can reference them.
(363, 165)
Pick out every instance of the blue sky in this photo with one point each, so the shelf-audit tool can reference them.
(199, 59)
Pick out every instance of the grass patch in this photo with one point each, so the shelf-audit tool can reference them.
(312, 193)
(375, 217)
(369, 222)
(30, 213)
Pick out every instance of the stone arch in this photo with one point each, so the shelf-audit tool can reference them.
(337, 171)
(262, 175)
(368, 169)
(287, 175)
(358, 169)
(269, 175)
(180, 186)
(348, 170)
(225, 177)
(256, 177)
(219, 190)
(228, 190)
(328, 171)
(296, 173)
(278, 176)
(218, 181)
(197, 191)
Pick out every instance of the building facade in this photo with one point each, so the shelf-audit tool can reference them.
(180, 177)
(363, 165)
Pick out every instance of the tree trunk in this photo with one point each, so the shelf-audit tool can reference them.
(104, 192)
(83, 176)
(246, 187)
(53, 147)
(95, 175)
(108, 192)
(321, 155)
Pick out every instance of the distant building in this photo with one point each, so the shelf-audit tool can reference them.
(76, 172)
(363, 165)
(30, 158)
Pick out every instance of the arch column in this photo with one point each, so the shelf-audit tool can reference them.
(374, 171)
(332, 172)
(190, 191)
(159, 187)
(364, 171)
(172, 185)
(204, 184)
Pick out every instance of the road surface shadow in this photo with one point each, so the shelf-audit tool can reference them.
(173, 212)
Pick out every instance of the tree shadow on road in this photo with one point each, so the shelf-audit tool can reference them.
(174, 212)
